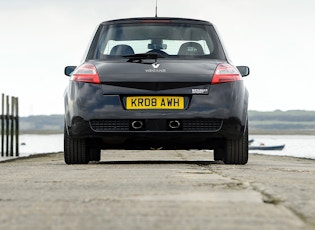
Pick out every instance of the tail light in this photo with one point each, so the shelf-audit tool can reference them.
(225, 73)
(86, 73)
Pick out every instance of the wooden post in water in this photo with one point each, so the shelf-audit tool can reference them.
(9, 126)
(11, 121)
(17, 127)
(2, 126)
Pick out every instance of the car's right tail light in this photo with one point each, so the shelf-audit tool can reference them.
(226, 73)
(86, 73)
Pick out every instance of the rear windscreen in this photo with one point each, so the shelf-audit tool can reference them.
(167, 39)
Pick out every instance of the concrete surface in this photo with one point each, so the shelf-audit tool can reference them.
(157, 190)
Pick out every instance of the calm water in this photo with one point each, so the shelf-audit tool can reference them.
(295, 145)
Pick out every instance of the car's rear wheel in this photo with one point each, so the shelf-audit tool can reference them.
(236, 151)
(95, 154)
(75, 150)
(218, 154)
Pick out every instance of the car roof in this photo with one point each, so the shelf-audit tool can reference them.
(156, 19)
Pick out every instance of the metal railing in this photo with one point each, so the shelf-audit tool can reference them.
(9, 126)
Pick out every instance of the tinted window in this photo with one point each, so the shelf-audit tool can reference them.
(171, 40)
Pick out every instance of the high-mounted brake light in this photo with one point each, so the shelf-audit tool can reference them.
(225, 73)
(86, 73)
(155, 21)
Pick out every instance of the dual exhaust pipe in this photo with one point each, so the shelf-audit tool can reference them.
(136, 125)
(172, 124)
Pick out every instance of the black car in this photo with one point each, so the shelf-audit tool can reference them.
(162, 83)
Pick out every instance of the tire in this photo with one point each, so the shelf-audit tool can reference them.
(218, 154)
(95, 154)
(75, 150)
(236, 151)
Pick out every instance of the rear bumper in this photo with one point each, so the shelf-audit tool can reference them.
(120, 134)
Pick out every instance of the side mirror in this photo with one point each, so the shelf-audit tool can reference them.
(244, 70)
(69, 70)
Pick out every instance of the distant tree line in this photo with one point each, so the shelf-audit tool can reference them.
(42, 124)
(298, 120)
(278, 115)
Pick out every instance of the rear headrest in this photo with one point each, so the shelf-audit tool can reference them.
(190, 48)
(122, 50)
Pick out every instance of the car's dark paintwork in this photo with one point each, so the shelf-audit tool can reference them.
(87, 105)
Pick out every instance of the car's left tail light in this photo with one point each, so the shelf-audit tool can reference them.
(86, 73)
(225, 73)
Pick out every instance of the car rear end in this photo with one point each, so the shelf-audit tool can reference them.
(156, 83)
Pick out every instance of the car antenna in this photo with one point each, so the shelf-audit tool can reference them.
(156, 8)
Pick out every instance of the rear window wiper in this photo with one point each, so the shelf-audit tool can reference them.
(142, 56)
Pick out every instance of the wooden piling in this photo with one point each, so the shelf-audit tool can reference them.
(2, 126)
(9, 126)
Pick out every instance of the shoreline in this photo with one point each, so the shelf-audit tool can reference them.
(281, 132)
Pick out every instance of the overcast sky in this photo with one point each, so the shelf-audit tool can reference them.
(275, 38)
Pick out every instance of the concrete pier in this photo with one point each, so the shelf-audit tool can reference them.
(157, 190)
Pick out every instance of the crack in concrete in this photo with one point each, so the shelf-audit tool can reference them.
(270, 197)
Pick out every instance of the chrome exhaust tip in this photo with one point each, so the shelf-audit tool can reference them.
(136, 125)
(175, 124)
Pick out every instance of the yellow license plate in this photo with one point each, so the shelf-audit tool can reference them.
(155, 102)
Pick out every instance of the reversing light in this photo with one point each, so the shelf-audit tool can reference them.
(86, 73)
(225, 73)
